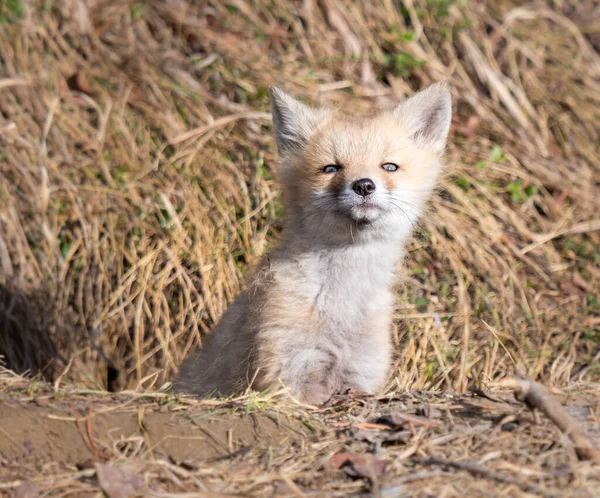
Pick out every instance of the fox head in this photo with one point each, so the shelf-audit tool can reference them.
(346, 178)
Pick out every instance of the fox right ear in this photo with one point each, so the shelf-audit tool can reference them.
(293, 122)
(426, 116)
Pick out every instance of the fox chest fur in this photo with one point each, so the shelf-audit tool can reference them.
(328, 321)
(316, 316)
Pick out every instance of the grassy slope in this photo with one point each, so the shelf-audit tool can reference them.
(137, 176)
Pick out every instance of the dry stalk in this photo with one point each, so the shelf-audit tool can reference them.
(537, 397)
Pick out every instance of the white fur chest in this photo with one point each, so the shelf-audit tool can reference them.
(346, 288)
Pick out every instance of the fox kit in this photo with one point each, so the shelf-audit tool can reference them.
(317, 312)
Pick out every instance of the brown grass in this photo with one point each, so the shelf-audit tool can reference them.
(137, 176)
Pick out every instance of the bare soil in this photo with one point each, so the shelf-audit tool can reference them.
(34, 432)
(403, 444)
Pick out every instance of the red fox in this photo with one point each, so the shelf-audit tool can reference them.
(316, 315)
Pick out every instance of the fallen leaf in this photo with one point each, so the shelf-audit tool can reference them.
(355, 465)
(78, 83)
(469, 128)
(402, 437)
(117, 483)
(570, 288)
(27, 490)
(398, 419)
(362, 435)
(341, 398)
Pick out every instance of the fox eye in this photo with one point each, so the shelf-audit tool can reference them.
(331, 168)
(390, 167)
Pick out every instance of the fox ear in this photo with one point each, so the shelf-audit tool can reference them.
(293, 121)
(426, 117)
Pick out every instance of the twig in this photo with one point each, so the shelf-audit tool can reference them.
(537, 397)
(89, 442)
(480, 471)
(55, 480)
(242, 451)
(62, 375)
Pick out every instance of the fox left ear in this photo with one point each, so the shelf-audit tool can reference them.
(293, 122)
(426, 117)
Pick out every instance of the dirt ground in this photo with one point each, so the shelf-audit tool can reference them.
(69, 442)
(138, 177)
(54, 431)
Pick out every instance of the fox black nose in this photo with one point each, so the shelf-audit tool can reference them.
(364, 186)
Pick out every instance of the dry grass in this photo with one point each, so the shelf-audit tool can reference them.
(137, 176)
